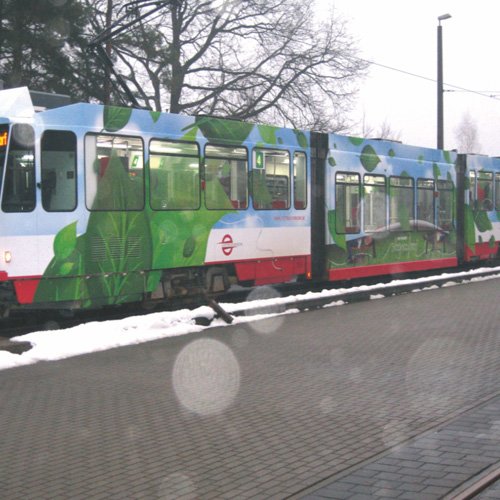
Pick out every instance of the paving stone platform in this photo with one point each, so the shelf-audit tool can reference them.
(274, 409)
(440, 463)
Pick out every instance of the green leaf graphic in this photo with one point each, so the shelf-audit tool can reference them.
(65, 241)
(482, 221)
(470, 231)
(191, 134)
(369, 158)
(356, 141)
(116, 118)
(189, 246)
(66, 268)
(436, 171)
(331, 161)
(226, 130)
(155, 115)
(338, 238)
(268, 133)
(301, 138)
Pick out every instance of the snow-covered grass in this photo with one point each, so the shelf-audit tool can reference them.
(99, 336)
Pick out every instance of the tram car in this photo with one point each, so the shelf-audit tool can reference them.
(101, 205)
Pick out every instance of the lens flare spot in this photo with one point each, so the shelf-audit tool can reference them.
(206, 377)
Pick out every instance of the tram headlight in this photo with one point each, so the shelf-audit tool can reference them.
(7, 256)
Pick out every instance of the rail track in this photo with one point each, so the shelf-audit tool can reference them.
(243, 301)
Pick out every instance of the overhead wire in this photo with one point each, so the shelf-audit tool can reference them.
(489, 95)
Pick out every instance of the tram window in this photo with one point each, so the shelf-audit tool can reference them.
(4, 137)
(374, 202)
(226, 177)
(425, 202)
(485, 190)
(58, 171)
(114, 177)
(445, 204)
(402, 199)
(497, 192)
(299, 181)
(174, 175)
(19, 189)
(472, 189)
(271, 179)
(347, 203)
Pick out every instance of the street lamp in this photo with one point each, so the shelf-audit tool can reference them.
(440, 141)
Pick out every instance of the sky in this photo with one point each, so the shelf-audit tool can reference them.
(403, 35)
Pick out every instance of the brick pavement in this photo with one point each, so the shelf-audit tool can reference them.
(439, 463)
(253, 411)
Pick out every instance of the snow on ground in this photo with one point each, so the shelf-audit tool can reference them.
(100, 336)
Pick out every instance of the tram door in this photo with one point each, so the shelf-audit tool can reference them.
(57, 189)
(18, 244)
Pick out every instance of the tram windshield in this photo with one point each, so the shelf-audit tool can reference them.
(4, 139)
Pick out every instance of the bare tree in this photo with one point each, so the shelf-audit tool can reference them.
(252, 59)
(383, 131)
(466, 135)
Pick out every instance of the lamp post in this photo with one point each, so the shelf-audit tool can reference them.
(440, 140)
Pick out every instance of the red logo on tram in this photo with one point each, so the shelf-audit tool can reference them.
(227, 245)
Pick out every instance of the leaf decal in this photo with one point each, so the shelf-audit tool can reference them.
(436, 170)
(65, 241)
(66, 268)
(331, 161)
(469, 232)
(447, 157)
(191, 134)
(482, 221)
(301, 138)
(189, 247)
(391, 153)
(116, 118)
(267, 133)
(356, 141)
(332, 227)
(155, 115)
(369, 158)
(227, 130)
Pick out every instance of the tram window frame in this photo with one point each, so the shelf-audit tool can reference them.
(4, 136)
(270, 192)
(20, 155)
(445, 190)
(396, 183)
(300, 181)
(343, 191)
(178, 151)
(53, 177)
(472, 188)
(426, 189)
(96, 164)
(497, 191)
(234, 185)
(369, 181)
(484, 184)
